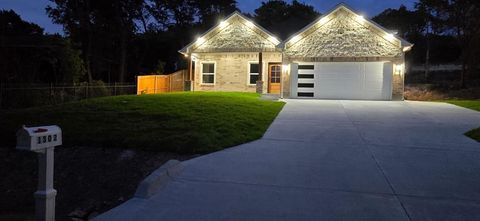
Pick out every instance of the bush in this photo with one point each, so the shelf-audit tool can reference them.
(96, 89)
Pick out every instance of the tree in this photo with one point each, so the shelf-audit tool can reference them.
(209, 11)
(408, 23)
(174, 13)
(75, 16)
(462, 17)
(178, 22)
(102, 29)
(284, 19)
(29, 56)
(434, 18)
(127, 12)
(454, 17)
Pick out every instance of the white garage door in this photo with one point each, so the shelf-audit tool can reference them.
(345, 80)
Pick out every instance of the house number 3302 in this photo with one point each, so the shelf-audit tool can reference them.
(47, 138)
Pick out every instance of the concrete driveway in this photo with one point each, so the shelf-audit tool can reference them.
(333, 160)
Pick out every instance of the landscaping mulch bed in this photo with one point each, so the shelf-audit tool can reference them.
(430, 92)
(89, 180)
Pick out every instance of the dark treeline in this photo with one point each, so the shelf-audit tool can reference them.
(114, 40)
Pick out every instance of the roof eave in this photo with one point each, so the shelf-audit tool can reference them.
(403, 42)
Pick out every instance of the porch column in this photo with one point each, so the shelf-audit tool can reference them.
(259, 86)
(188, 78)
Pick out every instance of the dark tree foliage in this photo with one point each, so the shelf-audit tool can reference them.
(123, 38)
(178, 22)
(30, 56)
(103, 29)
(115, 40)
(210, 11)
(284, 19)
(408, 23)
(443, 31)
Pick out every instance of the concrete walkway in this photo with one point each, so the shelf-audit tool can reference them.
(333, 160)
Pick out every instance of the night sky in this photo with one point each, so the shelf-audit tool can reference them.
(34, 10)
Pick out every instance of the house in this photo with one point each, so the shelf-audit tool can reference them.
(341, 55)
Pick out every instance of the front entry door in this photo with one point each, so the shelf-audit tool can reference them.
(274, 76)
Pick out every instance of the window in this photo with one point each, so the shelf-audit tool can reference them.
(305, 76)
(253, 69)
(309, 85)
(305, 94)
(306, 67)
(275, 73)
(208, 73)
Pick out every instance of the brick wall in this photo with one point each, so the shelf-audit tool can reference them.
(397, 87)
(232, 70)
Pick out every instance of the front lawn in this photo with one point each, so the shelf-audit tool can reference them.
(474, 134)
(140, 130)
(185, 122)
(471, 104)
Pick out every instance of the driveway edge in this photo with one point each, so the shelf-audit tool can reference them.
(158, 179)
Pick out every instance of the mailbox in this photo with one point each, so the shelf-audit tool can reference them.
(39, 138)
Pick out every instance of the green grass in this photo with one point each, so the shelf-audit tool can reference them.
(471, 104)
(185, 122)
(16, 217)
(474, 134)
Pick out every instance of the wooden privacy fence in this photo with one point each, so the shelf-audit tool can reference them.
(155, 84)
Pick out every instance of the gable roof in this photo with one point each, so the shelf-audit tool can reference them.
(325, 18)
(268, 37)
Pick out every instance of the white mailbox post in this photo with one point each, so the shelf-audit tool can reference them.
(43, 141)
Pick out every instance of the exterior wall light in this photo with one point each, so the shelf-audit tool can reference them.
(398, 69)
(250, 24)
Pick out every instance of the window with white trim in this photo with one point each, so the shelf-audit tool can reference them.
(208, 73)
(253, 69)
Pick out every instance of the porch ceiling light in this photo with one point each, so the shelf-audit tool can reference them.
(200, 40)
(274, 39)
(295, 38)
(322, 21)
(360, 18)
(405, 49)
(390, 36)
(223, 24)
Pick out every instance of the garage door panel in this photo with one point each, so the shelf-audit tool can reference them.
(335, 85)
(349, 80)
(374, 85)
(344, 76)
